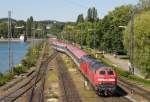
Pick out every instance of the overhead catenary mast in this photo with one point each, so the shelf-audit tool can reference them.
(132, 43)
(94, 35)
(10, 51)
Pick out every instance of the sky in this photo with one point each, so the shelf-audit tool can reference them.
(61, 10)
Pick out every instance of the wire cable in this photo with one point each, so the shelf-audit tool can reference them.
(76, 4)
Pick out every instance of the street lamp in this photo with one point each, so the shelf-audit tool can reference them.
(131, 45)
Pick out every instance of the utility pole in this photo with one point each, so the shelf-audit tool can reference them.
(33, 33)
(81, 35)
(26, 32)
(132, 43)
(10, 55)
(94, 33)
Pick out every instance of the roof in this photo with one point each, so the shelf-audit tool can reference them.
(93, 63)
(59, 43)
(76, 51)
(96, 65)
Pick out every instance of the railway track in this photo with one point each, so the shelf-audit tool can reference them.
(118, 97)
(121, 95)
(24, 86)
(68, 88)
(37, 91)
(32, 82)
(134, 89)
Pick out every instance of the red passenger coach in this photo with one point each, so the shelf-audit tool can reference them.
(60, 46)
(101, 77)
(76, 51)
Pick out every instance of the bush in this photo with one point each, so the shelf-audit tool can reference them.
(6, 77)
(123, 57)
(141, 41)
(124, 73)
(19, 69)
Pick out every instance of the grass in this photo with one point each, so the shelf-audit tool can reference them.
(53, 76)
(51, 95)
(51, 81)
(123, 56)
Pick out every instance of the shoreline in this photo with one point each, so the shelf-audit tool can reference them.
(18, 40)
(12, 39)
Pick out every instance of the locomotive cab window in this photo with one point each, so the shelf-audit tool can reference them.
(102, 72)
(110, 72)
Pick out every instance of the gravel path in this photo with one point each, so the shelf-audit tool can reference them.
(121, 63)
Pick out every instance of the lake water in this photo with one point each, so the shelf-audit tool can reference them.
(19, 51)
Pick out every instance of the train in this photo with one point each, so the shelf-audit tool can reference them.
(101, 77)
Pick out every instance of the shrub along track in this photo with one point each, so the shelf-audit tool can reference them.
(37, 91)
(68, 88)
(31, 84)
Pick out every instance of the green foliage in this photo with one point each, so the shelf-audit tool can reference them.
(6, 77)
(144, 5)
(112, 38)
(31, 57)
(80, 19)
(29, 26)
(141, 41)
(105, 33)
(19, 69)
(3, 29)
(139, 80)
(123, 57)
(40, 30)
(55, 29)
(18, 31)
(92, 14)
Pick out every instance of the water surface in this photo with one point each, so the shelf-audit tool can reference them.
(19, 50)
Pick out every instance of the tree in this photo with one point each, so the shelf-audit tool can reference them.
(18, 31)
(29, 26)
(141, 42)
(144, 5)
(3, 29)
(80, 19)
(56, 28)
(112, 39)
(92, 15)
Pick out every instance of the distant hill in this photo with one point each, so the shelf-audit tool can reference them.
(50, 22)
(47, 22)
(6, 20)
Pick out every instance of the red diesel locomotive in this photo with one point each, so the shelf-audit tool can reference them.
(102, 78)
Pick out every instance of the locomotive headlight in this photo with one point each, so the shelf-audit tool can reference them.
(101, 79)
(109, 79)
